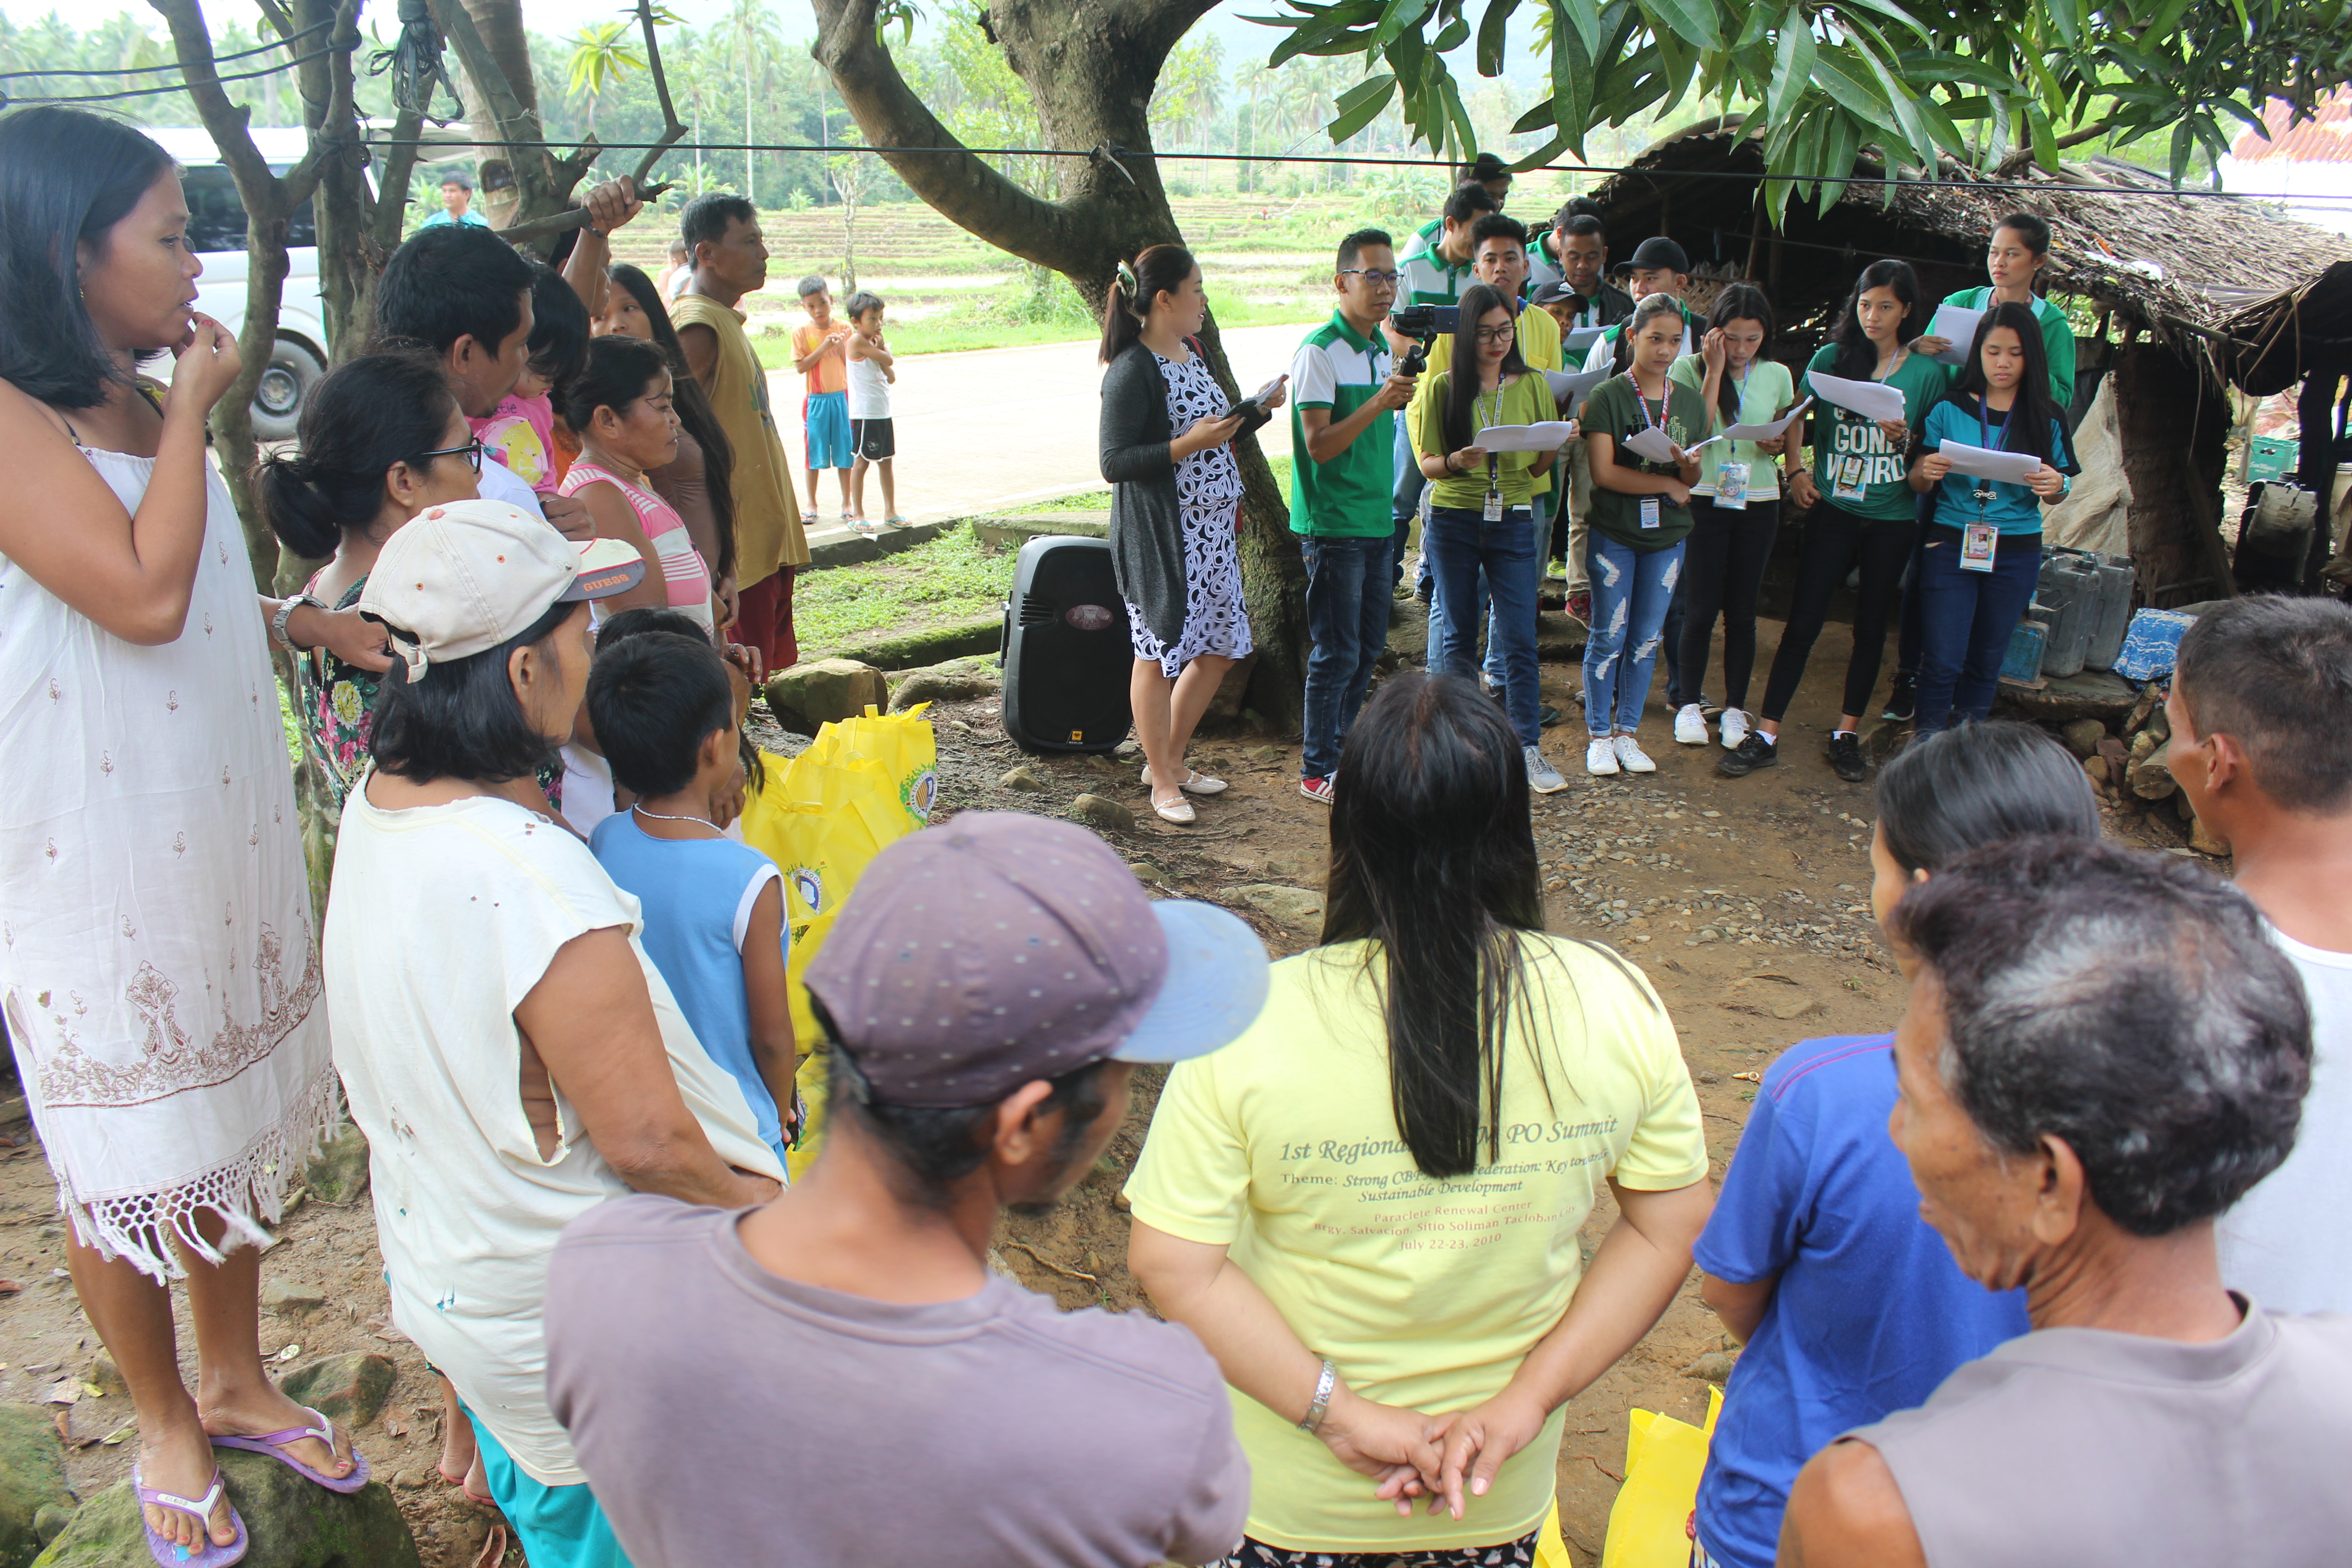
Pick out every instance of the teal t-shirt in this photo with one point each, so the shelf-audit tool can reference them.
(1856, 468)
(1964, 499)
(2057, 342)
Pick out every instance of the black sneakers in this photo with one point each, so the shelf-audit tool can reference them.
(1846, 757)
(1754, 752)
(1902, 702)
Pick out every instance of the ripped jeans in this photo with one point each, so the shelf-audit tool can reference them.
(1631, 591)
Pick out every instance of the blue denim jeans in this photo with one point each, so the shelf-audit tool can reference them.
(1461, 543)
(1348, 594)
(1631, 591)
(1965, 619)
(1406, 479)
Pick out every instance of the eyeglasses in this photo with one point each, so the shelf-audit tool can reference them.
(1503, 334)
(471, 451)
(1372, 279)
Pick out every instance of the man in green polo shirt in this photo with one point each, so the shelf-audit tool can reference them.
(1344, 397)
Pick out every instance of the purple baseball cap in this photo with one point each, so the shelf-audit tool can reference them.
(999, 949)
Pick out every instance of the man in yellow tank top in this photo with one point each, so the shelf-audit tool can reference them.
(729, 260)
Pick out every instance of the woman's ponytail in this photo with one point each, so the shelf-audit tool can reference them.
(1134, 286)
(307, 516)
(361, 419)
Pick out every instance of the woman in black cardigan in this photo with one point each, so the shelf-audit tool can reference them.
(1175, 502)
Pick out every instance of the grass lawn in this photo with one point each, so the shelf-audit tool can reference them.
(1100, 500)
(951, 578)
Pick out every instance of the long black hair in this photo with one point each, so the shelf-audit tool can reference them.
(365, 416)
(1461, 375)
(1434, 863)
(1740, 302)
(694, 415)
(1135, 289)
(619, 371)
(2034, 412)
(1857, 356)
(1948, 793)
(65, 177)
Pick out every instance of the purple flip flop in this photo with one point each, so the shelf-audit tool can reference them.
(273, 1443)
(170, 1554)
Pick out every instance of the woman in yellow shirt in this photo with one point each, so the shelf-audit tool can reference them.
(1366, 1207)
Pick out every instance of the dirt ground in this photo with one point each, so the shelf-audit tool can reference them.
(1746, 901)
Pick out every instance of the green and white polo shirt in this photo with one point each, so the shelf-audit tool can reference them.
(1348, 497)
(1428, 278)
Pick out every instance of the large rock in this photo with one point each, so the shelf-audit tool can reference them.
(1296, 908)
(809, 696)
(1102, 813)
(2083, 736)
(2086, 694)
(351, 1388)
(339, 1174)
(291, 1523)
(32, 1481)
(941, 686)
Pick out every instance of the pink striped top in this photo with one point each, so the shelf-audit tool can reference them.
(683, 568)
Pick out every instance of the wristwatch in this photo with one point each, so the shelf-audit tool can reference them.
(285, 611)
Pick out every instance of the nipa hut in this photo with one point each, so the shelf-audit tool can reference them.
(2162, 280)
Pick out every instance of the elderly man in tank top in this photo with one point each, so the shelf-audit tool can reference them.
(2104, 1050)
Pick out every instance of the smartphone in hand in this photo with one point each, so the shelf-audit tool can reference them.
(1253, 408)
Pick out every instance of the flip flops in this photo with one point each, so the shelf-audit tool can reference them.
(171, 1554)
(895, 520)
(275, 1445)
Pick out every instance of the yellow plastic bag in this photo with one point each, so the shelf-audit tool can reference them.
(1648, 1524)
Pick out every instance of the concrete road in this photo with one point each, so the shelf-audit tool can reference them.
(993, 428)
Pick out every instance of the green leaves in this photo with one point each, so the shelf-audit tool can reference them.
(1360, 106)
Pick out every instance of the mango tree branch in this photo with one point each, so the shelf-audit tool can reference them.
(956, 182)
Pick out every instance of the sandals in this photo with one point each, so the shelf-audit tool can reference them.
(171, 1554)
(896, 521)
(275, 1445)
(1192, 784)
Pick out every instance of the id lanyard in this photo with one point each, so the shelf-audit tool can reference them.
(1730, 476)
(1980, 540)
(1651, 507)
(1494, 511)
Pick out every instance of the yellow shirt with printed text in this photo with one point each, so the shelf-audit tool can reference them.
(1428, 1294)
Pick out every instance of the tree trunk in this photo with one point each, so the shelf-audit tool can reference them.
(499, 22)
(1090, 67)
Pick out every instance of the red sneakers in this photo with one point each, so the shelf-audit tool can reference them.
(1317, 789)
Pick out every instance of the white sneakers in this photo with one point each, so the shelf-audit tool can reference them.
(1690, 725)
(1600, 756)
(1542, 777)
(1631, 756)
(1735, 727)
(1618, 753)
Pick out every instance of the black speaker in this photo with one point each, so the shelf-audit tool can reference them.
(1067, 654)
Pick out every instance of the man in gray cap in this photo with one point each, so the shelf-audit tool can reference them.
(836, 1377)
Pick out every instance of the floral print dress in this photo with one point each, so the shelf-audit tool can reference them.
(1209, 495)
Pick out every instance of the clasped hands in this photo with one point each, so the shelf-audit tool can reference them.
(1445, 1458)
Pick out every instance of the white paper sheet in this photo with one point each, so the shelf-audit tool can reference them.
(1871, 399)
(2014, 466)
(1957, 324)
(1570, 388)
(1765, 432)
(1579, 340)
(1546, 436)
(1652, 444)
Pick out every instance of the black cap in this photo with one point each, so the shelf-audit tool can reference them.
(1656, 254)
(1553, 292)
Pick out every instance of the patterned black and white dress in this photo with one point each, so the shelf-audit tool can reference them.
(1209, 492)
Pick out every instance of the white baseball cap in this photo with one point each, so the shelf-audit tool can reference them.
(460, 579)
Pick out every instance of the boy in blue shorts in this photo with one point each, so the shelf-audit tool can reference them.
(663, 711)
(818, 354)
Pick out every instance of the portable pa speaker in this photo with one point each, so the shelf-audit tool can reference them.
(1067, 657)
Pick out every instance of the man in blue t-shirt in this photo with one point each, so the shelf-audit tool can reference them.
(1850, 1306)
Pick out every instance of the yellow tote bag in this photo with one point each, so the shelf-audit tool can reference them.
(1664, 1458)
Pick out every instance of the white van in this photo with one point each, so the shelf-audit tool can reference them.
(217, 233)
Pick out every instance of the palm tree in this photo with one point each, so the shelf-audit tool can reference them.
(601, 54)
(754, 42)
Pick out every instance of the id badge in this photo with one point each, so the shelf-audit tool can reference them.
(1493, 506)
(1731, 487)
(1977, 542)
(1650, 508)
(1849, 485)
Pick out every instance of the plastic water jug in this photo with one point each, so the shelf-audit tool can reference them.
(2070, 588)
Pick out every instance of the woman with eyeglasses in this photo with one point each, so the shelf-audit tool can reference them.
(381, 440)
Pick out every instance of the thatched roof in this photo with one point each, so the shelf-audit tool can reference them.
(2294, 331)
(2180, 267)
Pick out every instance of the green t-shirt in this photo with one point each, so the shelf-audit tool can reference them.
(1523, 401)
(2057, 342)
(1348, 497)
(1766, 393)
(1617, 409)
(1856, 468)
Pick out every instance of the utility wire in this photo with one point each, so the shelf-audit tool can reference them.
(6, 100)
(151, 71)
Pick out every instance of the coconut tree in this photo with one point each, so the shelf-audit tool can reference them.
(602, 53)
(752, 41)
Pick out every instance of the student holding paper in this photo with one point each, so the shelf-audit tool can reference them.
(1980, 553)
(1641, 515)
(1860, 509)
(1735, 506)
(2014, 256)
(1478, 517)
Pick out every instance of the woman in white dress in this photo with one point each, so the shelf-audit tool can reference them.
(158, 963)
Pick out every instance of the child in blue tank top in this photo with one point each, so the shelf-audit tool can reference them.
(713, 910)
